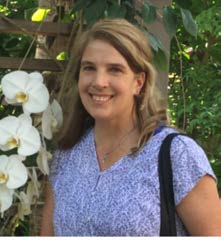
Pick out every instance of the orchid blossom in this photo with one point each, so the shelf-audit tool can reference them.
(26, 89)
(24, 207)
(42, 160)
(13, 174)
(19, 132)
(52, 119)
(6, 198)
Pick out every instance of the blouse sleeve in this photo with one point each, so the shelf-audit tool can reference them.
(189, 164)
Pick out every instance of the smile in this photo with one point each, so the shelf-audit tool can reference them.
(101, 99)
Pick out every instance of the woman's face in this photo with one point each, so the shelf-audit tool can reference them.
(107, 84)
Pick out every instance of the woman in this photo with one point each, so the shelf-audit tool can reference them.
(104, 178)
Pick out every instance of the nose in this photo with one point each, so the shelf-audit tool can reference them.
(100, 80)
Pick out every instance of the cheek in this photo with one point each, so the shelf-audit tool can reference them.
(82, 84)
(81, 89)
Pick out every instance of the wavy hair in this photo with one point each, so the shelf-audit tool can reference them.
(134, 46)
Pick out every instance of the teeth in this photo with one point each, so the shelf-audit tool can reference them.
(100, 99)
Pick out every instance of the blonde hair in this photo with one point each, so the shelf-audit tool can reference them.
(134, 46)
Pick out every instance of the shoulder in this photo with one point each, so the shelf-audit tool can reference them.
(189, 165)
(188, 159)
(180, 143)
(186, 151)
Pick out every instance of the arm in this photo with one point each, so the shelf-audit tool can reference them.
(200, 210)
(47, 215)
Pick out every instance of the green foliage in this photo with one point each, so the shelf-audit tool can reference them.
(94, 10)
(40, 14)
(62, 56)
(188, 22)
(18, 8)
(148, 13)
(4, 10)
(184, 4)
(194, 86)
(160, 60)
(214, 25)
(13, 45)
(170, 20)
(116, 11)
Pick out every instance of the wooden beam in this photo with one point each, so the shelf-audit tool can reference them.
(32, 64)
(23, 26)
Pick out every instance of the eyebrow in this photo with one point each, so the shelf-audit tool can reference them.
(119, 65)
(83, 63)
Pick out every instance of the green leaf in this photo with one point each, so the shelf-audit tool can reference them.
(29, 12)
(215, 52)
(95, 11)
(184, 3)
(154, 42)
(128, 4)
(188, 22)
(79, 4)
(148, 13)
(160, 60)
(4, 10)
(62, 56)
(169, 20)
(116, 11)
(40, 14)
(12, 43)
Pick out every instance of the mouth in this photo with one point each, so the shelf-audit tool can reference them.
(101, 98)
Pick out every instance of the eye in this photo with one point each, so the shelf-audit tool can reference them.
(115, 70)
(87, 68)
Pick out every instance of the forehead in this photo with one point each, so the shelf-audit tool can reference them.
(100, 50)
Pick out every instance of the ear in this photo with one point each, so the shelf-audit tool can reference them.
(140, 79)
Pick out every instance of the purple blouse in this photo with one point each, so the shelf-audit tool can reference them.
(123, 200)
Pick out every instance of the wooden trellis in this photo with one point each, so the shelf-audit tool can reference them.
(33, 28)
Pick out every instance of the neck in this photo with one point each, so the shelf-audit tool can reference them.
(109, 137)
(109, 131)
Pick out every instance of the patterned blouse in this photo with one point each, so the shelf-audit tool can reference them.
(123, 200)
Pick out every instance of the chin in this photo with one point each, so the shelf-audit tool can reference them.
(100, 117)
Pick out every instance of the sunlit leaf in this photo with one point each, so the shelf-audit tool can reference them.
(40, 14)
(62, 56)
(4, 10)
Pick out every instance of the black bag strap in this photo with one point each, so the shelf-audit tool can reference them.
(168, 223)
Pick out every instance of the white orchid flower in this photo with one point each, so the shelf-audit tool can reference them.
(42, 160)
(6, 198)
(13, 173)
(19, 132)
(26, 89)
(52, 119)
(24, 207)
(34, 184)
